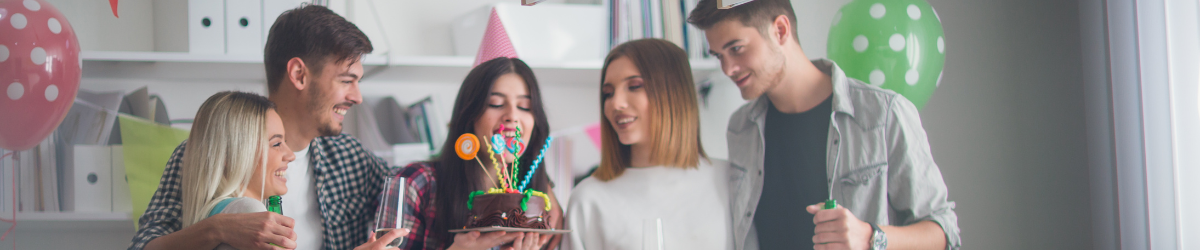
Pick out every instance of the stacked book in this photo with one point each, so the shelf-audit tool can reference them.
(665, 19)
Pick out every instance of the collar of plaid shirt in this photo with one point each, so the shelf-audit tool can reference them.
(349, 180)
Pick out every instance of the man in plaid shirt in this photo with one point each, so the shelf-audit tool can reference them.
(312, 61)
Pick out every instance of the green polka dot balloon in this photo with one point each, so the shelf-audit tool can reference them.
(893, 44)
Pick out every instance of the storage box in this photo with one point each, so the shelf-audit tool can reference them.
(243, 27)
(88, 184)
(194, 26)
(546, 32)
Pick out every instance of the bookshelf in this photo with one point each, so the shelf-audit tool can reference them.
(403, 68)
(34, 221)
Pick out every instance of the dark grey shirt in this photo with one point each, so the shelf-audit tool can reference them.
(794, 168)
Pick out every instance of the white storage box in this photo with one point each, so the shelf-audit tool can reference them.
(545, 32)
(243, 27)
(88, 184)
(194, 26)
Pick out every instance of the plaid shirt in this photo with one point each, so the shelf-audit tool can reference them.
(348, 177)
(419, 208)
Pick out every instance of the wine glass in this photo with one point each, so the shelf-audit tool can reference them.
(652, 234)
(390, 214)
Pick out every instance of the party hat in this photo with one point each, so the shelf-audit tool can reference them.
(495, 42)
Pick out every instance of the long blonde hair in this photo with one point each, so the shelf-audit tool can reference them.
(226, 144)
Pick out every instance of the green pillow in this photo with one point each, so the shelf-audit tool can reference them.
(147, 147)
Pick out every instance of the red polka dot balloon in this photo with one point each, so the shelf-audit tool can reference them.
(39, 71)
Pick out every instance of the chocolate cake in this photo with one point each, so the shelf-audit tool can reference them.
(508, 210)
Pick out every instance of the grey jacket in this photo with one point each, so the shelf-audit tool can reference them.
(885, 171)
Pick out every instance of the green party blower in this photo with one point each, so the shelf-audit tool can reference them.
(831, 203)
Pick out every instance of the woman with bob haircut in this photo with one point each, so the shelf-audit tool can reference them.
(653, 168)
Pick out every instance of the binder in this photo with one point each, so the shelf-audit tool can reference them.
(243, 27)
(90, 185)
(206, 26)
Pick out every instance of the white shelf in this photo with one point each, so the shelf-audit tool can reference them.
(71, 220)
(446, 69)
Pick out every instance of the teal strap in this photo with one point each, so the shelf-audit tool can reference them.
(220, 206)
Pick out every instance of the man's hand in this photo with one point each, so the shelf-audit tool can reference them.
(381, 243)
(839, 229)
(475, 240)
(253, 231)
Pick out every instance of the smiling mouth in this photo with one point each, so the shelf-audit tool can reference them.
(341, 110)
(281, 173)
(742, 81)
(626, 120)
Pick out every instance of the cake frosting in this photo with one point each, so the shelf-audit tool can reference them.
(515, 210)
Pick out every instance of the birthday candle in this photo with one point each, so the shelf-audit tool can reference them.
(492, 154)
(537, 161)
(515, 144)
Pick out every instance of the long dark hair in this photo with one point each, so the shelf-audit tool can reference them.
(455, 177)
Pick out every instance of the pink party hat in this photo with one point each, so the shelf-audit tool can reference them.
(495, 42)
(593, 132)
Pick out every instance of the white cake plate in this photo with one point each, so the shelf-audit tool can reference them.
(511, 229)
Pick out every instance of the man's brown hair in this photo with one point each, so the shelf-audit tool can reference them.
(758, 14)
(316, 35)
(674, 117)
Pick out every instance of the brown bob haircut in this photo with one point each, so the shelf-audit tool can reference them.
(674, 109)
(316, 35)
(758, 14)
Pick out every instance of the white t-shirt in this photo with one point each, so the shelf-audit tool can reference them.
(693, 205)
(300, 203)
(237, 206)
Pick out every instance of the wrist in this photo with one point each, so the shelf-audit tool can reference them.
(878, 239)
(209, 231)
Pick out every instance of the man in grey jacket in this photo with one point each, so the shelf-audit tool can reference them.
(810, 134)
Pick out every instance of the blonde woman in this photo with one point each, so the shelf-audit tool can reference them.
(236, 157)
(653, 170)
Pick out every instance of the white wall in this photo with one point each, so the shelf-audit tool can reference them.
(1007, 124)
